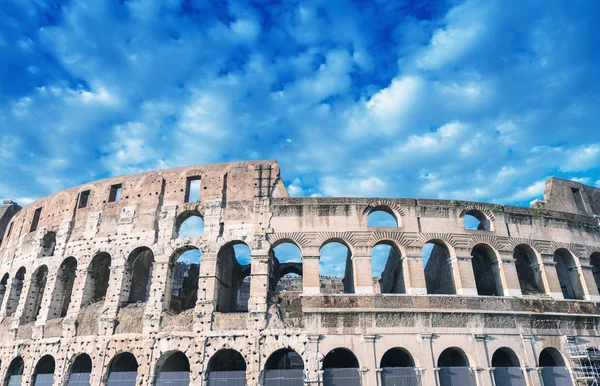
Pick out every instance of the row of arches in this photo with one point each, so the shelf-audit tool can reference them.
(286, 367)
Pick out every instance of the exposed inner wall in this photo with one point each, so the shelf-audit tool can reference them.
(89, 273)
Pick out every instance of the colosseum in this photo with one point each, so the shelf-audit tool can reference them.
(213, 275)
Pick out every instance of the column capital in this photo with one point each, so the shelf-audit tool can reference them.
(464, 258)
(426, 336)
(370, 337)
(313, 338)
(480, 337)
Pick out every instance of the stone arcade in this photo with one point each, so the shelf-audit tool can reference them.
(95, 287)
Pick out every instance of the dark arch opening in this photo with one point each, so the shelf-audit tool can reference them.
(568, 274)
(226, 360)
(554, 370)
(80, 371)
(486, 271)
(184, 277)
(285, 268)
(233, 277)
(387, 268)
(139, 274)
(122, 370)
(98, 275)
(340, 358)
(505, 357)
(335, 268)
(475, 220)
(14, 374)
(3, 284)
(453, 357)
(63, 288)
(551, 357)
(284, 359)
(595, 261)
(43, 374)
(507, 369)
(530, 279)
(396, 357)
(35, 295)
(190, 224)
(439, 273)
(16, 288)
(382, 217)
(48, 244)
(173, 369)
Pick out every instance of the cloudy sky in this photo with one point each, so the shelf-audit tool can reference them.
(459, 99)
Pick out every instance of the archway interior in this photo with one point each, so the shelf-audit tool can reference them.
(504, 357)
(48, 244)
(595, 261)
(452, 357)
(476, 220)
(191, 226)
(387, 269)
(80, 371)
(340, 358)
(396, 357)
(16, 290)
(285, 268)
(98, 276)
(123, 370)
(226, 360)
(335, 268)
(233, 277)
(485, 269)
(185, 274)
(381, 218)
(43, 374)
(284, 359)
(14, 375)
(35, 295)
(550, 357)
(568, 275)
(140, 273)
(63, 289)
(529, 279)
(439, 277)
(175, 370)
(3, 284)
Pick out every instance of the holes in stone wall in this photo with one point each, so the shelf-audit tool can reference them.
(63, 289)
(439, 273)
(233, 277)
(184, 276)
(335, 268)
(387, 268)
(33, 302)
(528, 270)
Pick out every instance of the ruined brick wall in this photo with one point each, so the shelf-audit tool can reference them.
(93, 270)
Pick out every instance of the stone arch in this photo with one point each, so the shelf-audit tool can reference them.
(505, 357)
(80, 370)
(476, 218)
(595, 262)
(3, 287)
(43, 374)
(389, 206)
(33, 302)
(97, 278)
(486, 269)
(63, 288)
(284, 359)
(48, 244)
(16, 289)
(569, 274)
(551, 357)
(453, 357)
(138, 275)
(285, 259)
(397, 357)
(340, 358)
(232, 289)
(391, 278)
(189, 223)
(528, 270)
(183, 278)
(14, 373)
(333, 250)
(382, 216)
(439, 269)
(227, 364)
(172, 367)
(295, 238)
(122, 370)
(507, 367)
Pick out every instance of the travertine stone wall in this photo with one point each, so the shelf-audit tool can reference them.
(71, 279)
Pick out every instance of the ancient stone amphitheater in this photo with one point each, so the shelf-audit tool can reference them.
(96, 287)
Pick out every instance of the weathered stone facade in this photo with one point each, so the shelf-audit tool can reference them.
(89, 270)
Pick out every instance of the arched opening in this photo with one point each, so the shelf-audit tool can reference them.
(138, 275)
(43, 374)
(122, 370)
(398, 368)
(387, 268)
(382, 217)
(439, 272)
(14, 374)
(340, 367)
(335, 268)
(16, 288)
(284, 367)
(184, 274)
(528, 270)
(173, 369)
(568, 274)
(48, 244)
(486, 271)
(476, 220)
(285, 268)
(595, 262)
(507, 369)
(226, 367)
(3, 284)
(454, 368)
(80, 371)
(33, 302)
(233, 277)
(63, 288)
(98, 275)
(554, 370)
(189, 224)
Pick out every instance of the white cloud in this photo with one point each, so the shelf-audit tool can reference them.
(582, 158)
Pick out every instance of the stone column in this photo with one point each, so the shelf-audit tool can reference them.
(363, 277)
(259, 287)
(414, 273)
(113, 299)
(207, 293)
(429, 377)
(313, 373)
(370, 371)
(530, 363)
(158, 299)
(465, 280)
(590, 289)
(311, 282)
(549, 276)
(484, 372)
(42, 316)
(508, 274)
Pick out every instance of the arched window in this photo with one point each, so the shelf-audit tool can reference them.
(398, 368)
(138, 275)
(14, 375)
(227, 367)
(387, 268)
(285, 268)
(554, 370)
(43, 375)
(568, 274)
(340, 367)
(173, 368)
(98, 275)
(63, 288)
(595, 262)
(507, 369)
(476, 220)
(284, 366)
(122, 370)
(454, 368)
(3, 284)
(48, 244)
(233, 277)
(530, 278)
(16, 288)
(335, 268)
(382, 217)
(35, 295)
(486, 271)
(185, 273)
(80, 371)
(439, 273)
(190, 224)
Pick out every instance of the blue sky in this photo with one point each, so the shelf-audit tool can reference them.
(478, 100)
